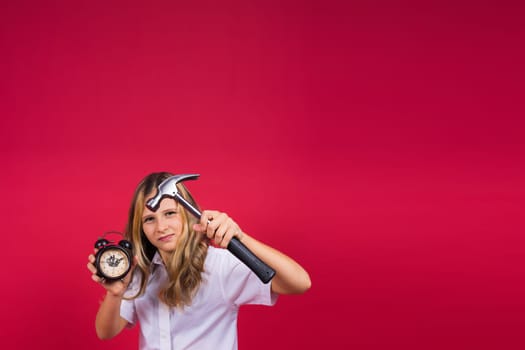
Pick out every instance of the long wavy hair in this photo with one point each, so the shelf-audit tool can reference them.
(186, 264)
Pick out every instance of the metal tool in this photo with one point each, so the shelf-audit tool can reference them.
(168, 188)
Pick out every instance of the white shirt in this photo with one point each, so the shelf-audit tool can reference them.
(210, 322)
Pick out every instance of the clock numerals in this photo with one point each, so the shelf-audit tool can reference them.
(113, 264)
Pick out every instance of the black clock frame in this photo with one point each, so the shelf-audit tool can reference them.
(103, 245)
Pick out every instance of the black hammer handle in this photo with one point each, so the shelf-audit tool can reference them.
(263, 271)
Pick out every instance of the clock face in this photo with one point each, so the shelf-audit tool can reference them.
(113, 263)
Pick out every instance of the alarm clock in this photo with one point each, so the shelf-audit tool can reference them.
(112, 260)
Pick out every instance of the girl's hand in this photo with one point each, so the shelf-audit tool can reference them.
(218, 227)
(115, 288)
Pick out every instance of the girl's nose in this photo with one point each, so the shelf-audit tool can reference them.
(162, 226)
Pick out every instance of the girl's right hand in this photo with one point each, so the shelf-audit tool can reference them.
(116, 288)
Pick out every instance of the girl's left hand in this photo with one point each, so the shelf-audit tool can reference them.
(218, 227)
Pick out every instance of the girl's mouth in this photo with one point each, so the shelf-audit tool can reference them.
(166, 238)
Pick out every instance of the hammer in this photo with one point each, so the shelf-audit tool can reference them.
(168, 188)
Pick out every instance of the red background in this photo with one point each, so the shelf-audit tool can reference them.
(379, 143)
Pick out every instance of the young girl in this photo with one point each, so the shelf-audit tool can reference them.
(184, 292)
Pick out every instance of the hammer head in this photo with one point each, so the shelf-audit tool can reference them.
(168, 188)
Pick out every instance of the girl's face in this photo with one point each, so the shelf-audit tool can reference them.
(163, 227)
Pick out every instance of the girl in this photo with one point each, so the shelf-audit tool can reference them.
(183, 291)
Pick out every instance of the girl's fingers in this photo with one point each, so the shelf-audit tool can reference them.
(218, 227)
(221, 232)
(92, 268)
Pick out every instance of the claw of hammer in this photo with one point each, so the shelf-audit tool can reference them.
(168, 188)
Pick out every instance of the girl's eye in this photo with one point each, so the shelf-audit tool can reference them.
(170, 213)
(148, 219)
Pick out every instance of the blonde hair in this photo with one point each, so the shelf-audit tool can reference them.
(185, 265)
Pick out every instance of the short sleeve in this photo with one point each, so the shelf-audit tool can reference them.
(127, 307)
(241, 286)
(127, 312)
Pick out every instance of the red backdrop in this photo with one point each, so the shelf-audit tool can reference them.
(378, 143)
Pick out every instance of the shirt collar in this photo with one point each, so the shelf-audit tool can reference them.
(156, 261)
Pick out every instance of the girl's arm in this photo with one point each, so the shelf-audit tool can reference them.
(108, 322)
(290, 277)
